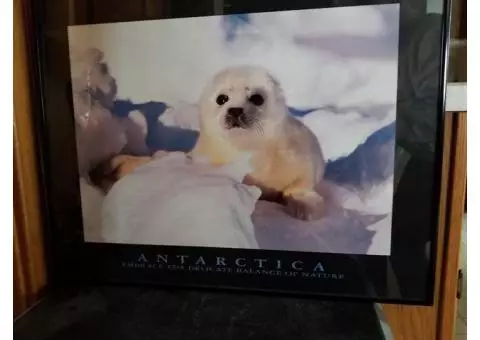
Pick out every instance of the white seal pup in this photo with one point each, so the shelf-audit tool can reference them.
(243, 110)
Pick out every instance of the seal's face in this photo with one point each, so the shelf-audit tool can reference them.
(243, 103)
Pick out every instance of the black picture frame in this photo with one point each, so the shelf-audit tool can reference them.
(406, 276)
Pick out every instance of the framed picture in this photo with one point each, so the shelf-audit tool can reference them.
(273, 146)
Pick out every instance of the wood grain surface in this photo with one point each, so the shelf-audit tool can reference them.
(29, 262)
(453, 233)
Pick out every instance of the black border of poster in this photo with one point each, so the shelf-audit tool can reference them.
(72, 261)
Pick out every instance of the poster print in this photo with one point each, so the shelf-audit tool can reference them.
(271, 131)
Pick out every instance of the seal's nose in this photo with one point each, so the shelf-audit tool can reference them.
(235, 112)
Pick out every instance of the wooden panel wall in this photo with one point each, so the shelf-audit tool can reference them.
(29, 273)
(456, 204)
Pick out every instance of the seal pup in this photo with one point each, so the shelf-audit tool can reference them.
(243, 110)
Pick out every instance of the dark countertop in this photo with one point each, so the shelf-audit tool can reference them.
(119, 313)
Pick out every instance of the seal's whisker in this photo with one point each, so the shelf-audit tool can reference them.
(257, 125)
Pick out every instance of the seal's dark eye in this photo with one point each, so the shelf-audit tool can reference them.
(256, 99)
(222, 99)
